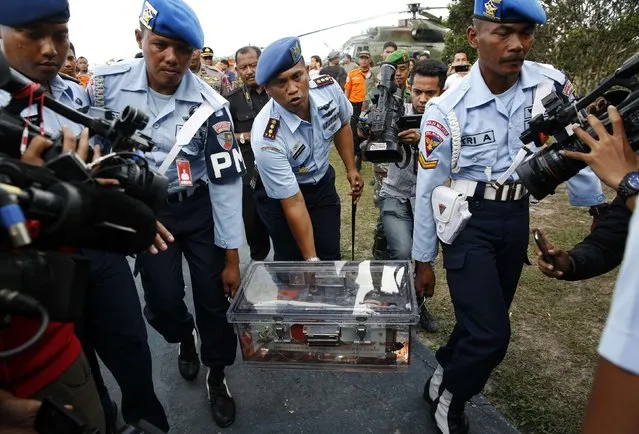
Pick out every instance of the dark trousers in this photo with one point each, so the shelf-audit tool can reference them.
(113, 328)
(75, 387)
(322, 202)
(357, 110)
(483, 266)
(256, 232)
(191, 223)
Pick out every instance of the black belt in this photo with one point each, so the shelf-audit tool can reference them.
(183, 195)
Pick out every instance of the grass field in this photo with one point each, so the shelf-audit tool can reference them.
(543, 384)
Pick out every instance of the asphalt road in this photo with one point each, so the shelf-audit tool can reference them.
(300, 401)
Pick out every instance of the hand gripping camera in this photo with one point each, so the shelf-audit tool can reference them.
(545, 170)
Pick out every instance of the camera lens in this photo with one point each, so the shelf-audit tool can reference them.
(542, 173)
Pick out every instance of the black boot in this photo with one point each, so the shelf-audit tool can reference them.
(188, 360)
(220, 400)
(449, 414)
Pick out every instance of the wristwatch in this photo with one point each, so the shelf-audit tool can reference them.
(629, 186)
(242, 139)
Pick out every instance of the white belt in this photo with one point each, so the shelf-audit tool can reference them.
(507, 192)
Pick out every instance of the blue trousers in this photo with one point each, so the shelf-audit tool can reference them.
(397, 218)
(483, 266)
(323, 204)
(114, 329)
(191, 223)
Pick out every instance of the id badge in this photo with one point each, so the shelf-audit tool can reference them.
(184, 173)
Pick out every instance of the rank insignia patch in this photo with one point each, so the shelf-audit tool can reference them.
(431, 140)
(323, 80)
(271, 129)
(226, 140)
(425, 164)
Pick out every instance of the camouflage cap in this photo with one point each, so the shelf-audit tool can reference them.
(398, 57)
(364, 53)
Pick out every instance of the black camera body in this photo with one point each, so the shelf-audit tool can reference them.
(383, 120)
(545, 170)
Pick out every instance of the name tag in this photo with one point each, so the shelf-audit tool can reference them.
(184, 173)
(479, 139)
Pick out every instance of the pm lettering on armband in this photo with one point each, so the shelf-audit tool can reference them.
(227, 164)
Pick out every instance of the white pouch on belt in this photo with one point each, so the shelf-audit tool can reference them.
(450, 211)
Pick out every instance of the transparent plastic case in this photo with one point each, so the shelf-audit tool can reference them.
(326, 315)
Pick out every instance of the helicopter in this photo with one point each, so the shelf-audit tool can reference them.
(415, 34)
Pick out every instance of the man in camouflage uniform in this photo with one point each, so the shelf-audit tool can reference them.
(207, 72)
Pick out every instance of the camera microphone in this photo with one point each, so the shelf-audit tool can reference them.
(87, 215)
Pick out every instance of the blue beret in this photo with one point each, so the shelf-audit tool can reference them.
(29, 11)
(510, 11)
(281, 55)
(173, 19)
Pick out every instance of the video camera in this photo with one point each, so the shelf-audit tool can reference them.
(62, 204)
(124, 163)
(385, 121)
(545, 170)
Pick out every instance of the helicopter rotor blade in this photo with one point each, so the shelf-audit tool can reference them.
(346, 24)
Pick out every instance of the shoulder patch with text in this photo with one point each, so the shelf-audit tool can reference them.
(439, 126)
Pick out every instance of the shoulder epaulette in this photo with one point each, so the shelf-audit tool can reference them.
(68, 78)
(117, 68)
(323, 80)
(271, 129)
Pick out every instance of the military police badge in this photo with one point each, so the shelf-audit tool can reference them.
(225, 140)
(148, 13)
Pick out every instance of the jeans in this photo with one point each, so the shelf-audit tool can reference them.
(397, 218)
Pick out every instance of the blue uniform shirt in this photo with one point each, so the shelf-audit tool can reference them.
(620, 340)
(125, 84)
(489, 139)
(65, 91)
(290, 151)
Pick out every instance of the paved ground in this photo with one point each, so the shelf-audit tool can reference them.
(280, 401)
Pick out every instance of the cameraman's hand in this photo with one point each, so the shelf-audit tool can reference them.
(563, 264)
(424, 280)
(410, 137)
(38, 145)
(357, 184)
(161, 238)
(17, 416)
(610, 156)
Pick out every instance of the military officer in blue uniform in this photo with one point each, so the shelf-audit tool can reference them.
(471, 134)
(195, 147)
(291, 139)
(36, 46)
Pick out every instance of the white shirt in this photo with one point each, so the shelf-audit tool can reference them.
(620, 340)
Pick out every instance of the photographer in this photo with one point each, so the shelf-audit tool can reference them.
(615, 392)
(397, 194)
(35, 43)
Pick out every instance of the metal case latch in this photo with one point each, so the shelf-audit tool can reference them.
(360, 331)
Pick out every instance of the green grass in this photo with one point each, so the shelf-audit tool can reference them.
(542, 386)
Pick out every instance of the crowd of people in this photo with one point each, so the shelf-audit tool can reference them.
(259, 130)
